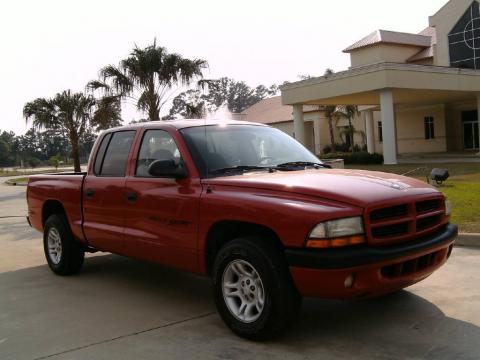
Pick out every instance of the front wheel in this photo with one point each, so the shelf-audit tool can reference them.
(254, 292)
(64, 254)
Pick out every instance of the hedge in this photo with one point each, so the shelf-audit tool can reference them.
(361, 157)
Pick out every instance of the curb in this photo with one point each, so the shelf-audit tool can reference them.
(468, 240)
(13, 183)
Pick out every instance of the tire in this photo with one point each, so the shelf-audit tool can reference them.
(246, 271)
(63, 253)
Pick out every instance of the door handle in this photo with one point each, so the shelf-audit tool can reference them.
(89, 193)
(132, 196)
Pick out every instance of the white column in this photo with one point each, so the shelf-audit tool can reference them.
(298, 123)
(369, 131)
(318, 140)
(478, 118)
(309, 141)
(388, 127)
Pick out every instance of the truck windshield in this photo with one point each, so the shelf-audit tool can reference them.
(227, 150)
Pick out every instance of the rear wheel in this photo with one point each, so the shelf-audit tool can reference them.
(254, 292)
(63, 253)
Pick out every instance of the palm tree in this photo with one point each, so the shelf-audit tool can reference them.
(71, 115)
(147, 76)
(348, 112)
(330, 111)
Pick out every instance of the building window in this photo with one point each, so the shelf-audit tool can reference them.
(380, 132)
(429, 127)
(464, 39)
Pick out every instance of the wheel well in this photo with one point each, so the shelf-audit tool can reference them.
(51, 207)
(225, 231)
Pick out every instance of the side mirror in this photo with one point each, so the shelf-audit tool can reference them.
(167, 169)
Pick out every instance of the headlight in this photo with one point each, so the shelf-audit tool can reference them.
(337, 233)
(448, 207)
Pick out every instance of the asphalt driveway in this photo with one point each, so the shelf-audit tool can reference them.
(118, 308)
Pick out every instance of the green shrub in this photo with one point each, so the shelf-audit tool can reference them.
(339, 148)
(33, 162)
(344, 148)
(55, 161)
(361, 157)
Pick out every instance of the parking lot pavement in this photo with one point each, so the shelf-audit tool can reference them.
(12, 200)
(118, 308)
(123, 309)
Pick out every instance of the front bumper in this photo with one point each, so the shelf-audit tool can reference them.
(322, 273)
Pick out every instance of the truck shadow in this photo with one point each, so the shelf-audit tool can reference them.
(400, 325)
(113, 296)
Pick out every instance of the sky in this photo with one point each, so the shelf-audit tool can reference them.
(49, 46)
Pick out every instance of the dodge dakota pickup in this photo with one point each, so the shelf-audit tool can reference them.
(248, 206)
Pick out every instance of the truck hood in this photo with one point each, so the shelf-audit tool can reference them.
(355, 187)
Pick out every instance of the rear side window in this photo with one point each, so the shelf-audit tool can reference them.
(114, 161)
(101, 154)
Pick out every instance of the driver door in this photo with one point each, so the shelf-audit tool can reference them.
(161, 216)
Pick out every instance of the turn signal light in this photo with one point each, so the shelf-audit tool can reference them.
(337, 242)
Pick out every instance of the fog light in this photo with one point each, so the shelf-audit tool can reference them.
(349, 281)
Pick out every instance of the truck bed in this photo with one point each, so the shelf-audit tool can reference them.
(59, 189)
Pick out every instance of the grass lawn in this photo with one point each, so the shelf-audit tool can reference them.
(18, 181)
(26, 172)
(462, 188)
(43, 170)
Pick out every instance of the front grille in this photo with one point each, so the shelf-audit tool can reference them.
(405, 221)
(390, 230)
(428, 205)
(413, 266)
(390, 212)
(428, 222)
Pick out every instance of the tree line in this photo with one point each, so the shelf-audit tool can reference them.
(40, 147)
(149, 78)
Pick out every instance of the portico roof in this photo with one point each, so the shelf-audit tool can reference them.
(391, 37)
(410, 84)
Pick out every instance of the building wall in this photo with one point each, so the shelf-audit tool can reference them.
(411, 130)
(429, 62)
(286, 127)
(316, 131)
(443, 21)
(455, 125)
(382, 53)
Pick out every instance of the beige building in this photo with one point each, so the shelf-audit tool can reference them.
(271, 111)
(417, 92)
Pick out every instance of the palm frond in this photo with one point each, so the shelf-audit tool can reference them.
(107, 113)
(97, 84)
(121, 83)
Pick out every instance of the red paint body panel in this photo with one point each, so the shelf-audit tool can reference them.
(104, 214)
(369, 281)
(290, 216)
(66, 190)
(170, 221)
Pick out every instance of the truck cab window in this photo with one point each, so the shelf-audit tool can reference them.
(156, 145)
(101, 154)
(116, 156)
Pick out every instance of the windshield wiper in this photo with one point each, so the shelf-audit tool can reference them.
(238, 169)
(302, 164)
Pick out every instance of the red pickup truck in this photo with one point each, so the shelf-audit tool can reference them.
(249, 206)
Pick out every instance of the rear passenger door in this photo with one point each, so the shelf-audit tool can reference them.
(104, 198)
